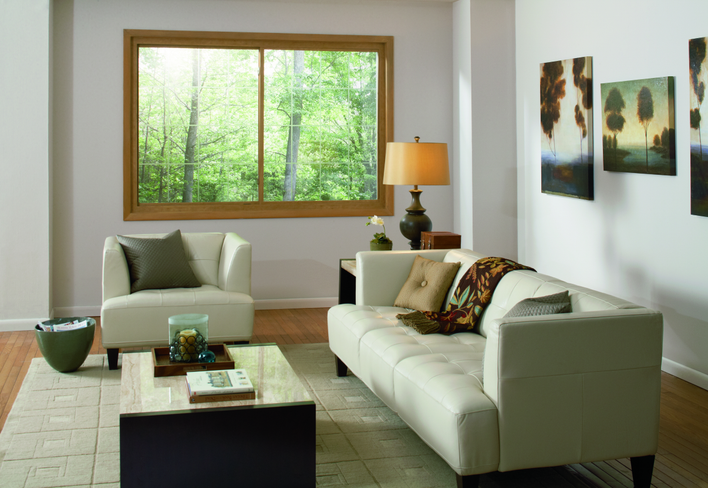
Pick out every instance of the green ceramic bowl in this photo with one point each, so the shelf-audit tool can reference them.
(66, 351)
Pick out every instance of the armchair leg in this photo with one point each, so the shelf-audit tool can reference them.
(341, 367)
(112, 358)
(469, 481)
(642, 469)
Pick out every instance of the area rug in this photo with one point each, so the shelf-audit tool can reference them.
(62, 431)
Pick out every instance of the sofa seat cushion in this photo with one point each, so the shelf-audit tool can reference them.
(441, 397)
(347, 324)
(372, 341)
(126, 319)
(384, 349)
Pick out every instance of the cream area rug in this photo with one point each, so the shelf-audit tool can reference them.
(63, 431)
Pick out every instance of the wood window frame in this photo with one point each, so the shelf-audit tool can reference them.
(133, 210)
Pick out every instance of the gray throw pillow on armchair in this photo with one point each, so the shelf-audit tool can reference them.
(156, 263)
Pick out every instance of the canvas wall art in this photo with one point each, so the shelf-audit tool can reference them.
(566, 123)
(638, 132)
(699, 170)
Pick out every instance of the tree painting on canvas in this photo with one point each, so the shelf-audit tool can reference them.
(699, 170)
(638, 132)
(566, 123)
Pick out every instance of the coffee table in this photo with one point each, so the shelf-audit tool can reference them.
(167, 441)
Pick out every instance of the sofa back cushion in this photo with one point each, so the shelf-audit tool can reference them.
(519, 285)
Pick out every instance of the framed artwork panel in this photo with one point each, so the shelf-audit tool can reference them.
(566, 128)
(697, 68)
(638, 131)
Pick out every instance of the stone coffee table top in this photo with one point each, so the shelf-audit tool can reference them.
(274, 380)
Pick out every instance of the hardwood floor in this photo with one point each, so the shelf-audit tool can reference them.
(682, 460)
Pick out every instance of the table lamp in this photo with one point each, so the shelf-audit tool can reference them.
(416, 163)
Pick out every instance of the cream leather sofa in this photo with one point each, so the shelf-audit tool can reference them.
(526, 392)
(221, 262)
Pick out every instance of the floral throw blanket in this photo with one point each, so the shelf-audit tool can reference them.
(471, 297)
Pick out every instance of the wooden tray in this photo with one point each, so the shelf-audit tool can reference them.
(163, 366)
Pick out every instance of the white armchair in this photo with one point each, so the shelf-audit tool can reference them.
(221, 263)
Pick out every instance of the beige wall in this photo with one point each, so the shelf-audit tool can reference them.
(25, 192)
(295, 261)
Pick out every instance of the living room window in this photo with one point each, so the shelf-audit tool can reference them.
(231, 125)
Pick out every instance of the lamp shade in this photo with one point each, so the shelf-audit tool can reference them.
(416, 163)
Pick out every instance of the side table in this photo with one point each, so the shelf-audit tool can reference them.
(347, 281)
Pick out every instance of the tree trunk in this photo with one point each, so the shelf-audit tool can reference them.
(161, 193)
(192, 132)
(646, 147)
(291, 152)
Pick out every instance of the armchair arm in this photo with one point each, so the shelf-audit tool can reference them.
(116, 276)
(381, 274)
(235, 264)
(575, 387)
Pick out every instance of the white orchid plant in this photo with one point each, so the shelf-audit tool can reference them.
(379, 237)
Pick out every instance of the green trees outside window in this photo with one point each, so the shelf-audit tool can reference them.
(225, 125)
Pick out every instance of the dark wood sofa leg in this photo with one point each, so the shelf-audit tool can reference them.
(341, 367)
(112, 358)
(642, 469)
(469, 481)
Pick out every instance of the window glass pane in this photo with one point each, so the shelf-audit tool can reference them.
(197, 125)
(320, 119)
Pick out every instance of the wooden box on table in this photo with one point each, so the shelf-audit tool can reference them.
(440, 240)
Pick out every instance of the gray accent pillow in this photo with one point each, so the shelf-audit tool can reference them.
(157, 263)
(549, 304)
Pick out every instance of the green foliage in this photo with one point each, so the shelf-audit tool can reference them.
(323, 119)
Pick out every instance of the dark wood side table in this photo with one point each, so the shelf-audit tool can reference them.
(347, 281)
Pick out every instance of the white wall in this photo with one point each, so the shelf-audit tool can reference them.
(484, 125)
(25, 193)
(637, 238)
(292, 258)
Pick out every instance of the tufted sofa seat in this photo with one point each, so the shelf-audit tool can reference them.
(524, 392)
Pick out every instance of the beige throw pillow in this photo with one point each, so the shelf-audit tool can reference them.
(427, 285)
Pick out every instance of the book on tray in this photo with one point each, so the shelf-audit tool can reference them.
(214, 383)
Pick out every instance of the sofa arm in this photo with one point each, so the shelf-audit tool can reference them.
(116, 276)
(575, 387)
(380, 274)
(235, 264)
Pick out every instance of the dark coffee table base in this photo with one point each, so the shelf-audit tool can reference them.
(264, 446)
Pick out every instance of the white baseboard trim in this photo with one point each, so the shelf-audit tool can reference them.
(685, 373)
(281, 303)
(94, 311)
(19, 324)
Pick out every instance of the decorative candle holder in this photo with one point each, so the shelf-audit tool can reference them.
(189, 336)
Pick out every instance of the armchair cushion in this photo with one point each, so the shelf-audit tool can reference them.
(158, 263)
